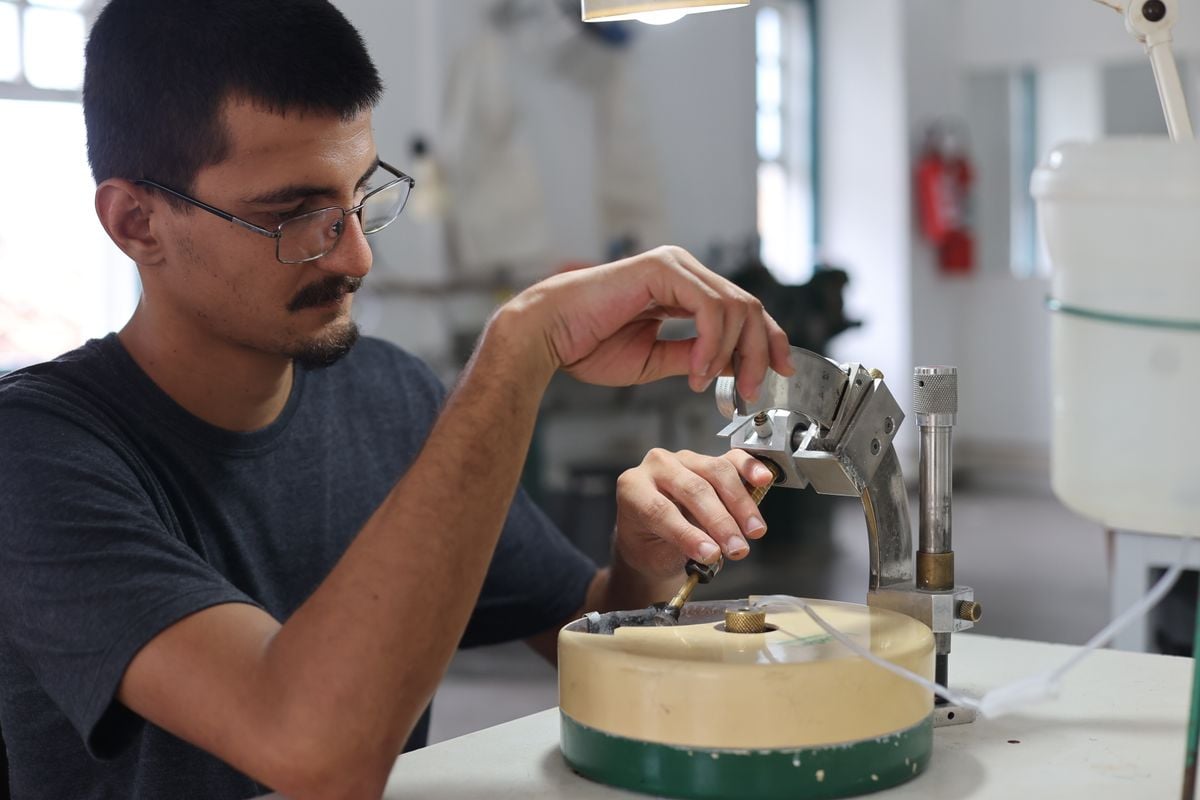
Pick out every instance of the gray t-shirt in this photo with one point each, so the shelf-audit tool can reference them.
(121, 513)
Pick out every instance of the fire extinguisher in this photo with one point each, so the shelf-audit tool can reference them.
(944, 177)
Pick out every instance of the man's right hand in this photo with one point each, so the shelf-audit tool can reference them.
(602, 324)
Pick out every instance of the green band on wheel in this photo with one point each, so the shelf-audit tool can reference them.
(814, 773)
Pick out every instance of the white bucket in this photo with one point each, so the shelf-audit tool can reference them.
(1121, 221)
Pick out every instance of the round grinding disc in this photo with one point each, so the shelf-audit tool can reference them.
(695, 711)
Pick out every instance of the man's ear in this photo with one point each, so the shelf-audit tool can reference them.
(125, 210)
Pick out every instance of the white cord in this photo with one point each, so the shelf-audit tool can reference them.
(1005, 699)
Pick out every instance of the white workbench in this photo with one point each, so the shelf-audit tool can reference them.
(1117, 731)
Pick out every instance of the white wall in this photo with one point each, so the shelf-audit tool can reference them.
(1005, 338)
(934, 92)
(1004, 33)
(864, 182)
(402, 38)
(699, 88)
(695, 80)
(889, 69)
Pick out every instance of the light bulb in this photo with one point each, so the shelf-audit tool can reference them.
(661, 17)
(652, 12)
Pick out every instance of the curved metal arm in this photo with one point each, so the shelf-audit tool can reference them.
(831, 427)
(889, 529)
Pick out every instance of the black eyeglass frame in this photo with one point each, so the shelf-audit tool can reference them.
(277, 234)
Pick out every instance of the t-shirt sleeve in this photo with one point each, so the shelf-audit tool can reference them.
(537, 579)
(91, 570)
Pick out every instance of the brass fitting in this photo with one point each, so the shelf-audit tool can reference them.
(745, 620)
(935, 571)
(969, 610)
(759, 492)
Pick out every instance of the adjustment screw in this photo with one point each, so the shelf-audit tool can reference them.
(762, 426)
(969, 610)
(1154, 10)
(889, 425)
(875, 447)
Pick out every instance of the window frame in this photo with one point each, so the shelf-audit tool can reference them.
(804, 158)
(21, 88)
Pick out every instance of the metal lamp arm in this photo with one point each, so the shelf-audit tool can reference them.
(1151, 23)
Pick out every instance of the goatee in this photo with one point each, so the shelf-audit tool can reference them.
(328, 350)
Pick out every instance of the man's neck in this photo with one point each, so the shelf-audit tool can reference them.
(225, 385)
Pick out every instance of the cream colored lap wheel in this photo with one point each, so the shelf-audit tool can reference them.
(698, 711)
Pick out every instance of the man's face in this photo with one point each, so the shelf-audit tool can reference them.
(223, 284)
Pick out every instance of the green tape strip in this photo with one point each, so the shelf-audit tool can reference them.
(1060, 307)
(820, 773)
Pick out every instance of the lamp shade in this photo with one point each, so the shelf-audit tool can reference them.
(651, 10)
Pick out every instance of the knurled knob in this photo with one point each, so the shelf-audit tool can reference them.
(745, 620)
(969, 610)
(759, 492)
(935, 390)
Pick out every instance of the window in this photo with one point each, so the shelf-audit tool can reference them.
(1048, 106)
(785, 91)
(41, 47)
(61, 280)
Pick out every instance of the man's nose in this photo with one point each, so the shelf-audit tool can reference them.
(351, 255)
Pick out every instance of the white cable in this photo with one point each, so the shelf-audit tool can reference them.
(1138, 609)
(801, 605)
(1005, 699)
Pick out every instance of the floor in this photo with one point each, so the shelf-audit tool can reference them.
(1039, 571)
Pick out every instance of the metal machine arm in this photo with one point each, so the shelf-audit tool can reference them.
(831, 427)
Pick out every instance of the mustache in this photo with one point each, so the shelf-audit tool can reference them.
(322, 292)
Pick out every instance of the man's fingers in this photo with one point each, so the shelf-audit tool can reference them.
(729, 476)
(664, 519)
(780, 348)
(760, 342)
(706, 359)
(726, 318)
(668, 357)
(753, 354)
(711, 495)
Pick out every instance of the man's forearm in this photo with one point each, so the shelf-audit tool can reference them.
(364, 655)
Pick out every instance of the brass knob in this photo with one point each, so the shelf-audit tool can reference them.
(877, 374)
(745, 620)
(759, 492)
(969, 610)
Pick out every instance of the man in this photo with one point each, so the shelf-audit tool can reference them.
(239, 549)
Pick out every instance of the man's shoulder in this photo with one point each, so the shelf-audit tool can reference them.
(63, 412)
(71, 379)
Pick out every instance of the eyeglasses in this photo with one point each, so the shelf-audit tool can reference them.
(314, 234)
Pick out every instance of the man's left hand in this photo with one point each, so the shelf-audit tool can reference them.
(676, 506)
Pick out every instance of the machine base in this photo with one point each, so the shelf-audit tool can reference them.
(809, 773)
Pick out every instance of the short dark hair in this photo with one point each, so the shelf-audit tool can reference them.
(159, 72)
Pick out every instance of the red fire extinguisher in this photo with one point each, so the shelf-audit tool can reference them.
(944, 177)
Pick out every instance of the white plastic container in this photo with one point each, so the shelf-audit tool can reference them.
(1121, 221)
